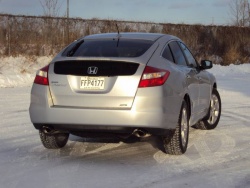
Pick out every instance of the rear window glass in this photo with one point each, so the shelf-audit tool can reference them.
(167, 54)
(109, 48)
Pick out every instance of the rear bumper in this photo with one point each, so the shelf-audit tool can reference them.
(156, 117)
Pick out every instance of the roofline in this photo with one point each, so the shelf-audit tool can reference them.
(126, 35)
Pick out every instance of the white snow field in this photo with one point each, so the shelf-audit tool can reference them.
(216, 158)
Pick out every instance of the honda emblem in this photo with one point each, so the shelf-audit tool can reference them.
(92, 70)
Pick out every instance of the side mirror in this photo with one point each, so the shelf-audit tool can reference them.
(206, 64)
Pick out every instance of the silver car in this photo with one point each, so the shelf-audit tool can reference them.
(124, 84)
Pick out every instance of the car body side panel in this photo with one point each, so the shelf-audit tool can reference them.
(185, 80)
(205, 90)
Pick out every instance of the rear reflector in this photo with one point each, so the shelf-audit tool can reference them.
(153, 77)
(42, 76)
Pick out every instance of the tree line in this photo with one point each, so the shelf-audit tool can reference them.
(46, 35)
(240, 12)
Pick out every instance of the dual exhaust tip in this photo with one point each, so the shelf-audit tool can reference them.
(140, 133)
(50, 130)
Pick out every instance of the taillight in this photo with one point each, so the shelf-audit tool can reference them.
(42, 76)
(153, 77)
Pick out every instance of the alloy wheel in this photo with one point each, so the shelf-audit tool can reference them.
(214, 110)
(184, 127)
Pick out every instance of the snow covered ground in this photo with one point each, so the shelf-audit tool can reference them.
(20, 71)
(216, 158)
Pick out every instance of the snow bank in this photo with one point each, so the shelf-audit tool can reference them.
(233, 70)
(20, 71)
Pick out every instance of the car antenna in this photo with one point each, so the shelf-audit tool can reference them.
(117, 29)
(118, 35)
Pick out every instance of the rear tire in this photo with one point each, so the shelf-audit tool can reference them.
(213, 117)
(53, 141)
(176, 144)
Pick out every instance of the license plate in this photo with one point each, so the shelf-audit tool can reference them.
(92, 83)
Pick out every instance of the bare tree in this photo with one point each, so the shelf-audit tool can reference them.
(240, 12)
(248, 14)
(51, 8)
(235, 12)
(244, 12)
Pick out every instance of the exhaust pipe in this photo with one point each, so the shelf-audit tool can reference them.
(140, 133)
(49, 130)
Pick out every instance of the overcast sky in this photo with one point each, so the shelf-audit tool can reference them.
(165, 11)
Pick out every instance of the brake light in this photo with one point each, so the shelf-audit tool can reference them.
(42, 76)
(153, 77)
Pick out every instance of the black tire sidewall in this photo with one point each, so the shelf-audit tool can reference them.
(61, 139)
(184, 105)
(53, 141)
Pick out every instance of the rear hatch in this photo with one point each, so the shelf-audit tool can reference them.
(101, 74)
(74, 84)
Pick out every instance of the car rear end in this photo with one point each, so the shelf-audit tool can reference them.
(103, 83)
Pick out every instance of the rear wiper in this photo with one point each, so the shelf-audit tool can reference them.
(73, 50)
